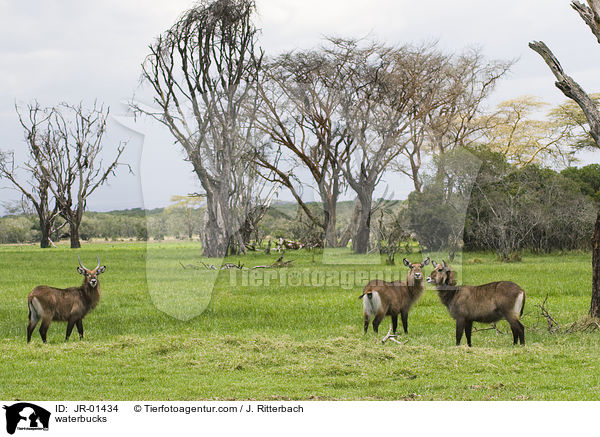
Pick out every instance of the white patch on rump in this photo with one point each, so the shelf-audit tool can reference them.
(518, 304)
(37, 309)
(372, 305)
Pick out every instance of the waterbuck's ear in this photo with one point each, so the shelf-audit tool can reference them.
(81, 271)
(407, 263)
(434, 264)
(444, 264)
(101, 269)
(425, 262)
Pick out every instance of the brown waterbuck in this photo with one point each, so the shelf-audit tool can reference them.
(486, 303)
(66, 305)
(382, 298)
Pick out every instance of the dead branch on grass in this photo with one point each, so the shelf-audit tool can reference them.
(494, 326)
(588, 324)
(392, 337)
(553, 325)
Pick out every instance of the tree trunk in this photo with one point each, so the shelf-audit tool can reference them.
(214, 243)
(595, 304)
(330, 230)
(352, 227)
(74, 231)
(45, 227)
(215, 238)
(360, 244)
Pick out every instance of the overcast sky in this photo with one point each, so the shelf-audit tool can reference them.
(78, 50)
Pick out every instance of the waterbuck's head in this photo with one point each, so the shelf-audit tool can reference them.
(416, 270)
(442, 275)
(90, 277)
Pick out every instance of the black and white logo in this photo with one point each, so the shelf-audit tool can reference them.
(25, 416)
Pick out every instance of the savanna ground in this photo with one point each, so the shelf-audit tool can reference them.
(290, 339)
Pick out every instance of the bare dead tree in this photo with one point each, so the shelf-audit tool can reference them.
(590, 14)
(72, 161)
(203, 73)
(28, 178)
(299, 114)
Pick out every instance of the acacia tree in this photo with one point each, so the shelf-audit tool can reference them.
(203, 72)
(590, 14)
(569, 116)
(188, 206)
(455, 100)
(523, 140)
(380, 101)
(29, 179)
(300, 116)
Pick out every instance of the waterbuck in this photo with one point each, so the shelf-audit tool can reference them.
(393, 298)
(69, 305)
(486, 303)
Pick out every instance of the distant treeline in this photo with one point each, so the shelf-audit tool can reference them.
(158, 224)
(508, 209)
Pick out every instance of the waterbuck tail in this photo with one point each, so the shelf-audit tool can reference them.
(372, 304)
(35, 310)
(31, 308)
(522, 306)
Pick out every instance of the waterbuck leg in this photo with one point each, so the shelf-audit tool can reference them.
(394, 323)
(30, 329)
(31, 326)
(521, 333)
(460, 326)
(376, 321)
(79, 324)
(44, 329)
(468, 330)
(404, 317)
(70, 325)
(518, 330)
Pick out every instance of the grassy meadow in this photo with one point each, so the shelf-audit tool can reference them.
(161, 332)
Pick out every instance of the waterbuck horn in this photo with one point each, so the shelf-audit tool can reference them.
(80, 264)
(98, 266)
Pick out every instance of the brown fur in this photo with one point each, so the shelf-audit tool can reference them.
(66, 305)
(396, 297)
(487, 303)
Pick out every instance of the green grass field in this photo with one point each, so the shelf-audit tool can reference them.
(298, 338)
